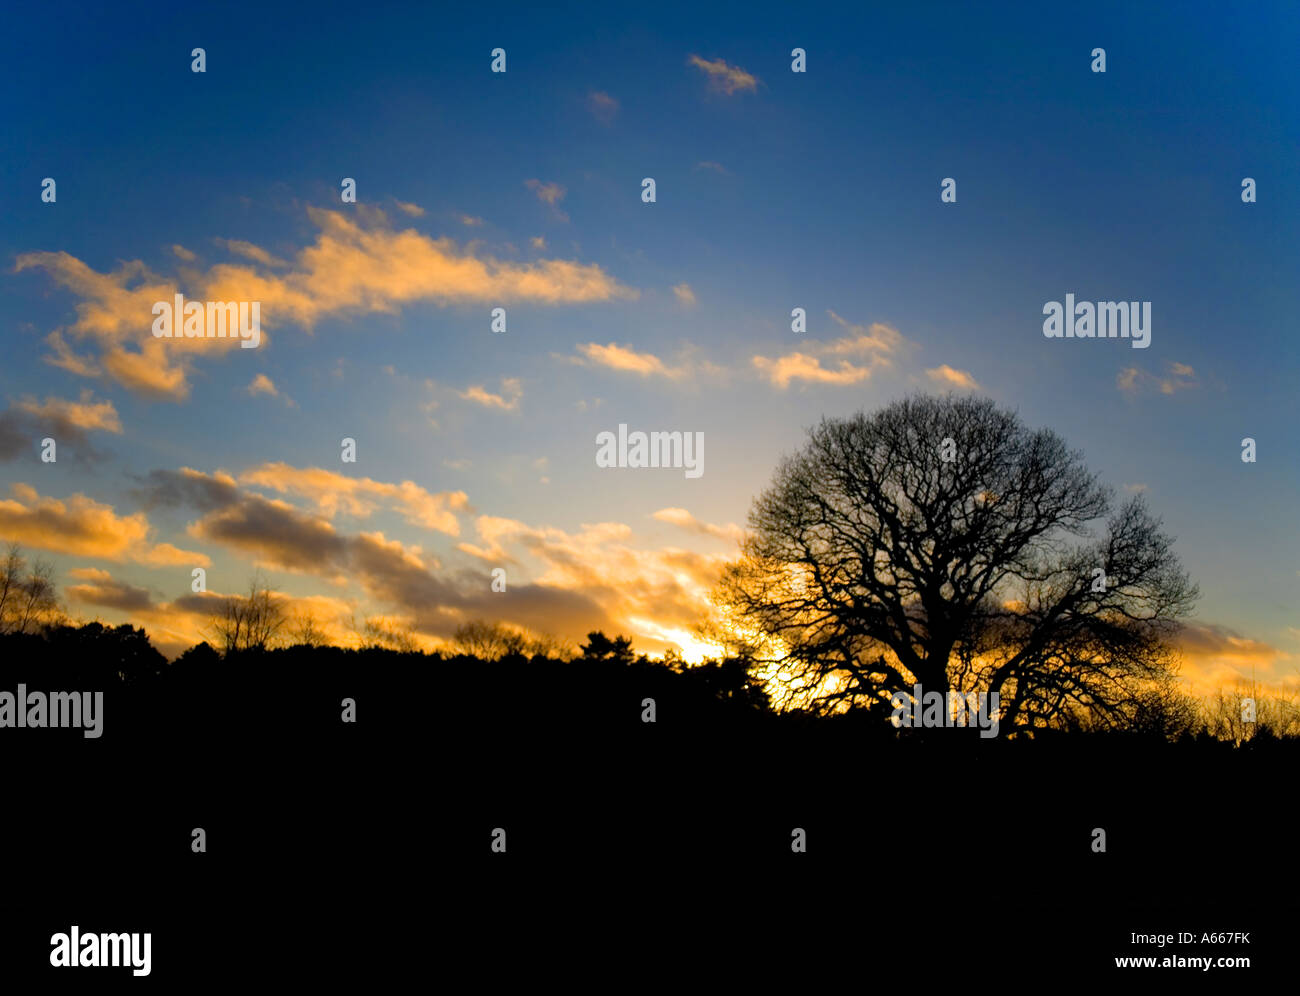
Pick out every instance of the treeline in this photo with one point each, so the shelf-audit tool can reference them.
(510, 686)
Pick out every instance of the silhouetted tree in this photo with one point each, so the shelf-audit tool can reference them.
(494, 641)
(98, 652)
(28, 596)
(250, 622)
(306, 631)
(600, 647)
(390, 634)
(940, 541)
(490, 641)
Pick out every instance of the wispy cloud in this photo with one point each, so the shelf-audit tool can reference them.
(849, 359)
(602, 106)
(1178, 377)
(683, 519)
(624, 358)
(262, 384)
(946, 376)
(512, 392)
(723, 77)
(86, 414)
(249, 251)
(332, 493)
(357, 265)
(550, 194)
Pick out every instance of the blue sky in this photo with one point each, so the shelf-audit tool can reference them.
(774, 190)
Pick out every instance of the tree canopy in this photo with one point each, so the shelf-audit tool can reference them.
(943, 542)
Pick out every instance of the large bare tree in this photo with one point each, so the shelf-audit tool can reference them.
(942, 541)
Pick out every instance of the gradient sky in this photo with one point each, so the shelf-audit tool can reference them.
(522, 190)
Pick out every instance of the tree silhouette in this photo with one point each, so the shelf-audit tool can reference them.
(250, 622)
(600, 647)
(29, 599)
(489, 641)
(941, 541)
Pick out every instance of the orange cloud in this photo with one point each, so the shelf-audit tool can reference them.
(683, 519)
(947, 376)
(626, 359)
(512, 393)
(84, 527)
(1216, 657)
(1180, 377)
(83, 414)
(872, 347)
(358, 264)
(357, 496)
(725, 78)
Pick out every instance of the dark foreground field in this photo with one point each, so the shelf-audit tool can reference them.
(363, 851)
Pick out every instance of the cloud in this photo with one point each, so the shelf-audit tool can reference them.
(872, 347)
(116, 312)
(470, 221)
(1179, 377)
(550, 194)
(562, 582)
(626, 359)
(512, 393)
(262, 384)
(723, 77)
(946, 376)
(406, 207)
(86, 414)
(655, 595)
(84, 527)
(537, 242)
(357, 265)
(249, 251)
(684, 294)
(1216, 657)
(333, 493)
(280, 536)
(683, 519)
(602, 106)
(716, 167)
(183, 253)
(167, 555)
(24, 425)
(111, 594)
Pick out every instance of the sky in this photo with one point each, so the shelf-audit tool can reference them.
(774, 190)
